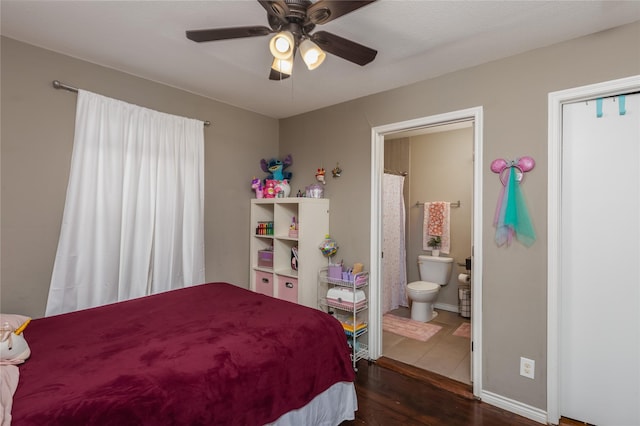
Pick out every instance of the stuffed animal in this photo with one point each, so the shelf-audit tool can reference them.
(14, 349)
(256, 184)
(276, 168)
(270, 188)
(283, 186)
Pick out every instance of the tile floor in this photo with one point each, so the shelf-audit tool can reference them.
(444, 353)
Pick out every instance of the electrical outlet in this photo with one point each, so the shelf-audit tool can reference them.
(527, 367)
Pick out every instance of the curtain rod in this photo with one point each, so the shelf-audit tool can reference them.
(456, 204)
(58, 85)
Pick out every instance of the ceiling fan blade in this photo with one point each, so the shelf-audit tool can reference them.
(346, 49)
(276, 8)
(324, 11)
(275, 75)
(227, 33)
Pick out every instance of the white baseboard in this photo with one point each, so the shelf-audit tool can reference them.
(524, 410)
(446, 307)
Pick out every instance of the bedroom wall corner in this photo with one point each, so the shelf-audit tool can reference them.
(37, 139)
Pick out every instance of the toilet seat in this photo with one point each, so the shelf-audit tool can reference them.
(424, 286)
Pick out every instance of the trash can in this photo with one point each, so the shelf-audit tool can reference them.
(464, 301)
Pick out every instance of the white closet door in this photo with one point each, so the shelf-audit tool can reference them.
(600, 258)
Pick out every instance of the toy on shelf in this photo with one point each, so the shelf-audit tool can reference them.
(256, 185)
(276, 184)
(270, 188)
(282, 188)
(293, 228)
(276, 168)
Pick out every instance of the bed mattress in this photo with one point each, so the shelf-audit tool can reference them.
(204, 355)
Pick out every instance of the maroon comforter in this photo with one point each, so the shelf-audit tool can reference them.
(204, 355)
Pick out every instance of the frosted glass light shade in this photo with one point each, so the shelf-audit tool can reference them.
(285, 66)
(312, 55)
(282, 45)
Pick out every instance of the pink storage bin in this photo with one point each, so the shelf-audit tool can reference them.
(264, 283)
(288, 289)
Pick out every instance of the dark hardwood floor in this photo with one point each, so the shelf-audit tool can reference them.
(392, 393)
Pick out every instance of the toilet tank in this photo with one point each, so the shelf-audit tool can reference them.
(435, 269)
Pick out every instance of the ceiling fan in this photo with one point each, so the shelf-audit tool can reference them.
(293, 22)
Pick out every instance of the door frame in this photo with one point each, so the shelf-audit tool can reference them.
(554, 226)
(377, 169)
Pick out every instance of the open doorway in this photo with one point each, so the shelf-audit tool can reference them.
(433, 164)
(470, 118)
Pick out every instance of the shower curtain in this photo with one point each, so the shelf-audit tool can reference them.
(394, 261)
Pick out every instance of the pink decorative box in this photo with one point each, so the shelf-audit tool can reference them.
(265, 258)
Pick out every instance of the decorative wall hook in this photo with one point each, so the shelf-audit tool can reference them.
(520, 166)
(512, 217)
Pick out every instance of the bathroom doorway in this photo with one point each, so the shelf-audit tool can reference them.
(417, 133)
(435, 164)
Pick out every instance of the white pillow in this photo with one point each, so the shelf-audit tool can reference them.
(13, 346)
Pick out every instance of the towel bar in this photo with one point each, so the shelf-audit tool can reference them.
(456, 204)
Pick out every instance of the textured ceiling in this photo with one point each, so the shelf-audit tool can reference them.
(416, 40)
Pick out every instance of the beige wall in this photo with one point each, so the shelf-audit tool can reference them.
(397, 160)
(441, 170)
(37, 138)
(513, 93)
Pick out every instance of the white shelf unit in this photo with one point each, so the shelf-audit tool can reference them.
(281, 281)
(354, 313)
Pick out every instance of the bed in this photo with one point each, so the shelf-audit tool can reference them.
(204, 355)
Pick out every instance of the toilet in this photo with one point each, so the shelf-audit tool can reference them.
(434, 272)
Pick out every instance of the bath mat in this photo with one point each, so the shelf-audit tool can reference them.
(406, 327)
(464, 330)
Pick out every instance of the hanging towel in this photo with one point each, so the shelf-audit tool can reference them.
(440, 225)
(512, 217)
(436, 218)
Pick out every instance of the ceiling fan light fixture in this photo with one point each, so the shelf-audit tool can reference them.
(291, 28)
(282, 45)
(284, 66)
(312, 55)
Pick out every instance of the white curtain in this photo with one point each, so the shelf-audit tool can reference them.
(133, 220)
(394, 261)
